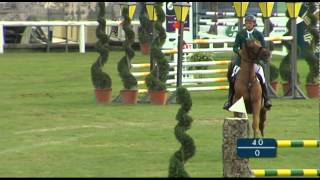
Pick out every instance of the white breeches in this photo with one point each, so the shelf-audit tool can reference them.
(257, 68)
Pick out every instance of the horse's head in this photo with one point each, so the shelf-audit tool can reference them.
(255, 51)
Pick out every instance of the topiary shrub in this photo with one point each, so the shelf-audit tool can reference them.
(310, 57)
(156, 80)
(100, 79)
(145, 26)
(128, 80)
(274, 73)
(200, 57)
(285, 65)
(187, 149)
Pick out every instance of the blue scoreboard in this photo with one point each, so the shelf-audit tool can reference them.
(256, 147)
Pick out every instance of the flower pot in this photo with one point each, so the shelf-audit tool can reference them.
(103, 95)
(158, 97)
(145, 48)
(286, 87)
(274, 85)
(129, 96)
(313, 90)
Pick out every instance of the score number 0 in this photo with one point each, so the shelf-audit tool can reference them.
(259, 143)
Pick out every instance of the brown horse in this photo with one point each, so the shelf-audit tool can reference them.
(248, 86)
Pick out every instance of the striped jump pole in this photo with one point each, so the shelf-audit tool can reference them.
(285, 172)
(230, 40)
(232, 14)
(205, 63)
(297, 143)
(202, 80)
(209, 22)
(209, 88)
(215, 50)
(210, 71)
(290, 172)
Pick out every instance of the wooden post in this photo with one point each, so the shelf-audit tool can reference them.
(234, 166)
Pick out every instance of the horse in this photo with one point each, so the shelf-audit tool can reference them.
(248, 86)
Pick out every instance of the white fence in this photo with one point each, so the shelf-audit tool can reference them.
(81, 24)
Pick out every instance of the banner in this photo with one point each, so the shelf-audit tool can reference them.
(171, 18)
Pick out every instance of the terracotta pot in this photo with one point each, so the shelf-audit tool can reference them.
(129, 96)
(158, 97)
(103, 95)
(275, 86)
(286, 87)
(145, 48)
(313, 90)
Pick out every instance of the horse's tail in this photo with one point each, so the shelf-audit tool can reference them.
(263, 118)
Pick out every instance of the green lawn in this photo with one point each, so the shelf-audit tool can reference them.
(51, 126)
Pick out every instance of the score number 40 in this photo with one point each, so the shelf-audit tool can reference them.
(258, 142)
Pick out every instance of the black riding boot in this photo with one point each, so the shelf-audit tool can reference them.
(228, 104)
(267, 101)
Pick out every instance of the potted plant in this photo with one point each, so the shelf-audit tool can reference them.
(273, 70)
(156, 80)
(129, 95)
(101, 80)
(274, 74)
(188, 148)
(312, 85)
(144, 30)
(285, 64)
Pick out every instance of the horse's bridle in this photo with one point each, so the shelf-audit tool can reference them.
(255, 54)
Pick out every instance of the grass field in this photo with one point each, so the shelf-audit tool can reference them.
(51, 126)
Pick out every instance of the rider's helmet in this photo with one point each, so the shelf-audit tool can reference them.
(250, 18)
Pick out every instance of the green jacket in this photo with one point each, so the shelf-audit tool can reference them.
(242, 36)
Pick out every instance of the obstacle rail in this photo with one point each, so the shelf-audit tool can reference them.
(290, 172)
(210, 22)
(233, 14)
(235, 166)
(297, 143)
(209, 88)
(206, 63)
(199, 80)
(285, 172)
(210, 71)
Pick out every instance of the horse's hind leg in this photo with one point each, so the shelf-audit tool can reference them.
(263, 118)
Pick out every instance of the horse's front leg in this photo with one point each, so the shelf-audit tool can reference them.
(256, 106)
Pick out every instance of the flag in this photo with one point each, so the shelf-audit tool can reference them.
(239, 107)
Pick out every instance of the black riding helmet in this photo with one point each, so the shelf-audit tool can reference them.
(250, 18)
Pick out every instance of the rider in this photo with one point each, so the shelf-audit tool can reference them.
(248, 33)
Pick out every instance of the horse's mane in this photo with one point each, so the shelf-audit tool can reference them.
(243, 52)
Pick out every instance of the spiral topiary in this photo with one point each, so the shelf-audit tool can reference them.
(187, 149)
(143, 30)
(310, 57)
(274, 71)
(285, 65)
(156, 80)
(128, 80)
(100, 79)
